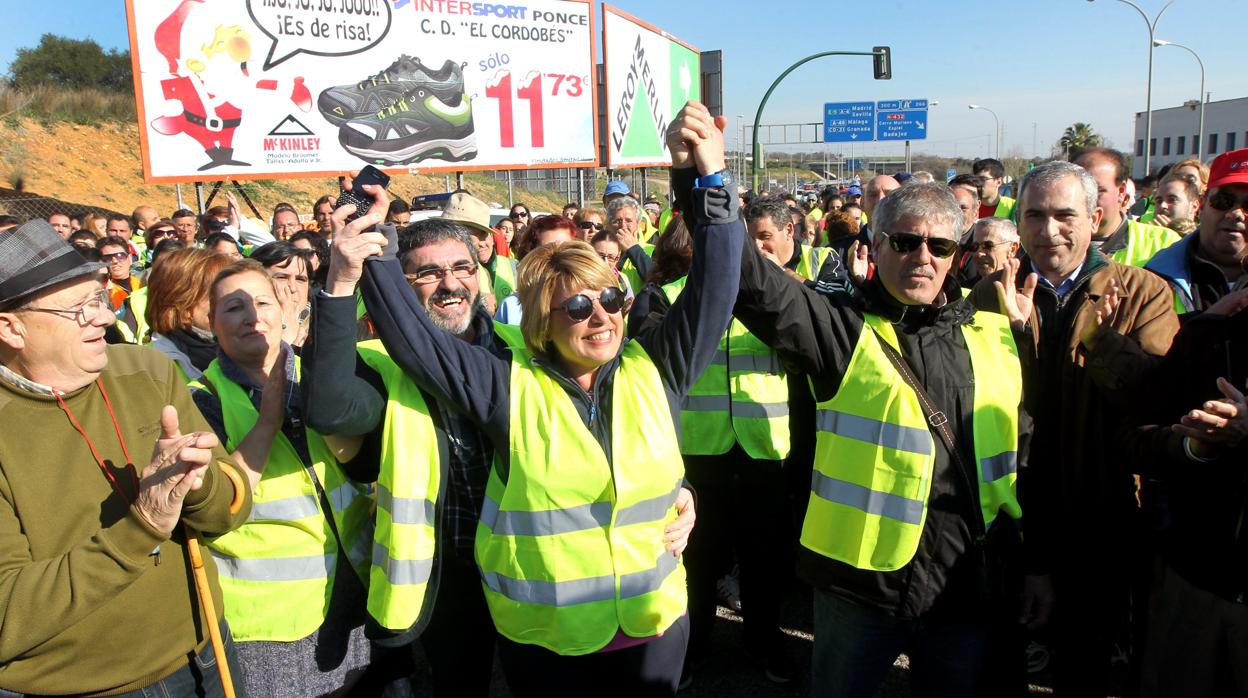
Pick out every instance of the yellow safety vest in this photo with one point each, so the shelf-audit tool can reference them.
(511, 335)
(742, 397)
(645, 229)
(408, 484)
(1143, 241)
(665, 217)
(571, 546)
(1005, 208)
(874, 450)
(504, 280)
(138, 306)
(811, 261)
(630, 272)
(277, 569)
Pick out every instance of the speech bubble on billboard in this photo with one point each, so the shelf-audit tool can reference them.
(320, 27)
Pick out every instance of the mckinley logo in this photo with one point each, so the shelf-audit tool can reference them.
(291, 135)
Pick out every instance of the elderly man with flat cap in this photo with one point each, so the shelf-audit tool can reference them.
(106, 468)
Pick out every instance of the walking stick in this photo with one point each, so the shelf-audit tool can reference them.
(205, 590)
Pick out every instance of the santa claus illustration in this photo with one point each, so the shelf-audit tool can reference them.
(205, 83)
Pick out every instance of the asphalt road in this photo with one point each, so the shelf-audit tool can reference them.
(731, 673)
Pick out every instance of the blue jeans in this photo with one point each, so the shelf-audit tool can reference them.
(856, 645)
(198, 679)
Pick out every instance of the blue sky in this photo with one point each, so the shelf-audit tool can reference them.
(1047, 62)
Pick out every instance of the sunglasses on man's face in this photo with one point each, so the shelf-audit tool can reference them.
(1224, 200)
(114, 256)
(580, 307)
(905, 243)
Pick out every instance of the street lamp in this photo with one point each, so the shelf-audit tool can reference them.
(883, 70)
(1148, 94)
(995, 120)
(1200, 139)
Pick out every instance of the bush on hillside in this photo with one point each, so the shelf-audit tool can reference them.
(72, 64)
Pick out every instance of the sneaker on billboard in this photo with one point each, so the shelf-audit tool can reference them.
(344, 103)
(420, 126)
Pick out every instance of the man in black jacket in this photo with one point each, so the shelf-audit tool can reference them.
(346, 396)
(933, 595)
(1197, 638)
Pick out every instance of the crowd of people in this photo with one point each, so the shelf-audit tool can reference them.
(996, 434)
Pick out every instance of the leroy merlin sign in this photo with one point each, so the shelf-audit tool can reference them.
(649, 77)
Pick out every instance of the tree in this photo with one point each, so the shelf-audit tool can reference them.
(71, 63)
(1079, 135)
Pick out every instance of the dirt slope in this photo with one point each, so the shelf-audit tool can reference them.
(101, 166)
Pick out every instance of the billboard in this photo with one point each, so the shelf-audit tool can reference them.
(250, 89)
(649, 77)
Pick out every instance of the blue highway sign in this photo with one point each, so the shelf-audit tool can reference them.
(901, 120)
(846, 122)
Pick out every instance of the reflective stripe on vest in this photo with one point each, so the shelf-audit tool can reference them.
(742, 397)
(1143, 241)
(408, 482)
(811, 261)
(276, 570)
(875, 451)
(581, 591)
(570, 555)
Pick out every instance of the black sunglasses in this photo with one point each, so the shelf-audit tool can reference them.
(905, 243)
(580, 307)
(586, 225)
(1224, 200)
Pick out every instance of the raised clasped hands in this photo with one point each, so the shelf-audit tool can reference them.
(695, 138)
(355, 242)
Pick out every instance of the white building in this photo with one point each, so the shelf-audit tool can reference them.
(1175, 133)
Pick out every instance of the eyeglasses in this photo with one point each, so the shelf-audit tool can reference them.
(586, 225)
(85, 314)
(905, 243)
(986, 246)
(163, 233)
(609, 258)
(436, 274)
(114, 256)
(521, 214)
(1224, 200)
(580, 307)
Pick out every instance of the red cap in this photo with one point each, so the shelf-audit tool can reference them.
(1229, 168)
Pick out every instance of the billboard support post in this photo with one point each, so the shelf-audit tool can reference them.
(758, 116)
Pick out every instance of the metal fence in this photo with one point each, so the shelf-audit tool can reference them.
(27, 206)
